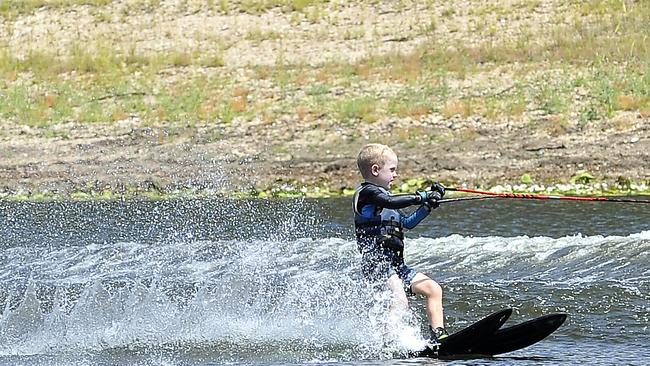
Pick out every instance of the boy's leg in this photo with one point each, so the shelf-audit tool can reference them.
(396, 286)
(431, 290)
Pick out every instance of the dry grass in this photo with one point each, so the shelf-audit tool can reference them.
(605, 40)
(455, 108)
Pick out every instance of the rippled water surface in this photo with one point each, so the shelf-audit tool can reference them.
(205, 282)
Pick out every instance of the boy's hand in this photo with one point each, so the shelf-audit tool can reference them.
(433, 196)
(437, 187)
(430, 197)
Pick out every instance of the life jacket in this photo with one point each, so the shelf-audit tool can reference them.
(378, 228)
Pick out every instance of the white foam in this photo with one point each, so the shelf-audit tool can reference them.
(106, 296)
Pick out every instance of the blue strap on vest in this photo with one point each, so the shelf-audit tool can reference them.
(377, 228)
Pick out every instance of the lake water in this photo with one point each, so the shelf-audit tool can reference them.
(276, 282)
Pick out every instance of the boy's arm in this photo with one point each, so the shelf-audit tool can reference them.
(418, 215)
(430, 202)
(376, 196)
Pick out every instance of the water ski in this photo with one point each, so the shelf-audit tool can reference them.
(458, 343)
(486, 338)
(519, 336)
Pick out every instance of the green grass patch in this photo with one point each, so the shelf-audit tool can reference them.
(357, 109)
(260, 6)
(416, 102)
(13, 8)
(604, 53)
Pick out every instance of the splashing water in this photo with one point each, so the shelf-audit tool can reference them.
(266, 290)
(278, 282)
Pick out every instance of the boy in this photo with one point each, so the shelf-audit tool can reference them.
(380, 226)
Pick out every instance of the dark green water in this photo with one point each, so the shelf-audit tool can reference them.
(276, 282)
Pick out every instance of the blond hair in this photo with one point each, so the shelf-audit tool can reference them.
(372, 154)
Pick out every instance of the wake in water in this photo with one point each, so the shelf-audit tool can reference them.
(301, 297)
(266, 296)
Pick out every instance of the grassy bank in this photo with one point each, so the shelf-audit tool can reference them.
(590, 65)
(295, 190)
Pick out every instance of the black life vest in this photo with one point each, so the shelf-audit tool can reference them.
(377, 228)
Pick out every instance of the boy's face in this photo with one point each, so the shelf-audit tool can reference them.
(386, 174)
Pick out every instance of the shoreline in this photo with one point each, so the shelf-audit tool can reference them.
(315, 192)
